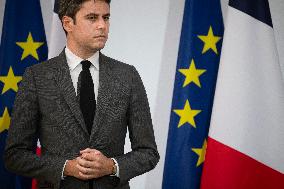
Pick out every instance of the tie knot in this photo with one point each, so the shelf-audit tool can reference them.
(86, 64)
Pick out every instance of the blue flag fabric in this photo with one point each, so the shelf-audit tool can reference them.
(196, 73)
(23, 44)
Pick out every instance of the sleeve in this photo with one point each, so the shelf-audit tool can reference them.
(117, 168)
(144, 155)
(19, 155)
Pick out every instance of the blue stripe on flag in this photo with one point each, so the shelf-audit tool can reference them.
(56, 6)
(259, 9)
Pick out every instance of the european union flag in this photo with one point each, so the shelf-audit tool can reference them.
(196, 73)
(23, 44)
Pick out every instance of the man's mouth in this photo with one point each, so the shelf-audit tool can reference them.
(100, 37)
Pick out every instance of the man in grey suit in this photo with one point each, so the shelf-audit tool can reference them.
(80, 105)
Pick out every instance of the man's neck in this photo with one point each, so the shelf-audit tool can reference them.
(82, 53)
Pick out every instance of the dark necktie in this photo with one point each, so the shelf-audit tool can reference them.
(87, 95)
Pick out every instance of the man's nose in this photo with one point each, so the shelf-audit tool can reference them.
(101, 23)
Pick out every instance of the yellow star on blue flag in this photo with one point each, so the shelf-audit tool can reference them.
(210, 41)
(10, 81)
(5, 121)
(192, 74)
(201, 152)
(30, 47)
(187, 115)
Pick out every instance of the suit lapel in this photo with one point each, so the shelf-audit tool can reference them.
(105, 81)
(65, 85)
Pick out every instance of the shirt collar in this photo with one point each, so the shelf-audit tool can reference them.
(73, 60)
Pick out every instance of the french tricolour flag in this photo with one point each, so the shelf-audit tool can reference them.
(246, 138)
(58, 38)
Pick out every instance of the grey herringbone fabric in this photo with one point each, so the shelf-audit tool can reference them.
(46, 106)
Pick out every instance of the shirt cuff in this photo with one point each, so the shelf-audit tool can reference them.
(117, 167)
(62, 174)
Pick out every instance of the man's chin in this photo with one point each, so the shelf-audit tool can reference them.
(97, 48)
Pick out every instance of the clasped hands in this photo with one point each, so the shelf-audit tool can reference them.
(89, 165)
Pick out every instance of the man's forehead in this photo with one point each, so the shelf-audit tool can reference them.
(96, 3)
(95, 7)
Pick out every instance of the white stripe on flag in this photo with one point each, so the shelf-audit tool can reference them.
(57, 37)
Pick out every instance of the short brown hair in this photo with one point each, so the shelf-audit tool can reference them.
(71, 7)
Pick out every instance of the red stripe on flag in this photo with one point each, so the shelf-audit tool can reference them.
(34, 184)
(38, 151)
(34, 181)
(226, 168)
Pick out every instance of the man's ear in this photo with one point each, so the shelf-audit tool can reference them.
(67, 23)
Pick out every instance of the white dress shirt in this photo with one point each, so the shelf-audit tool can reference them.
(75, 68)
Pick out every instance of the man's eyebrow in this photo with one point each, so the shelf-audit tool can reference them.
(94, 14)
(108, 14)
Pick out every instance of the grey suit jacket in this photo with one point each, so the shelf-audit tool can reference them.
(46, 107)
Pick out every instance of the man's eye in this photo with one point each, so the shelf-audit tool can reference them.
(91, 17)
(106, 18)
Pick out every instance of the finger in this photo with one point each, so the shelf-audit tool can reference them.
(88, 156)
(93, 156)
(84, 170)
(84, 176)
(89, 150)
(84, 162)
